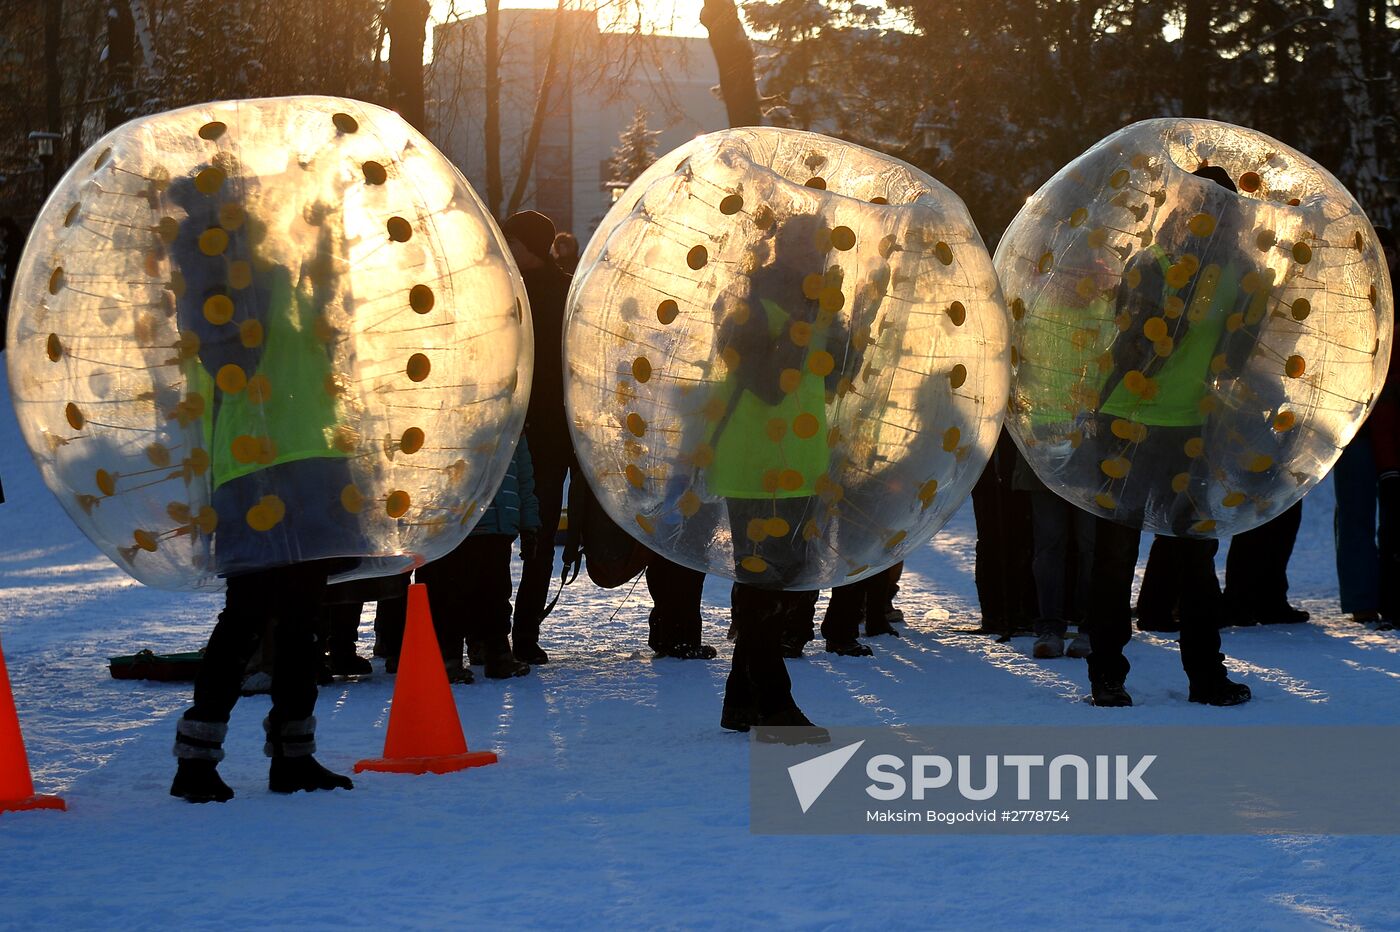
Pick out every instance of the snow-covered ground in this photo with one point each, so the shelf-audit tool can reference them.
(618, 800)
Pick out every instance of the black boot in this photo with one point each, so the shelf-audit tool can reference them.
(290, 745)
(199, 747)
(1110, 694)
(1220, 691)
(848, 648)
(790, 726)
(737, 718)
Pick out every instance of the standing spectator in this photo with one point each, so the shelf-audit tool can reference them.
(531, 236)
(1256, 573)
(1005, 585)
(469, 588)
(1062, 539)
(1385, 451)
(675, 624)
(565, 252)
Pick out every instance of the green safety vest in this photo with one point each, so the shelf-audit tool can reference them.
(1182, 380)
(746, 458)
(299, 415)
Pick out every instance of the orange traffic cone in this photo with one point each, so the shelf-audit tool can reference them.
(425, 734)
(16, 785)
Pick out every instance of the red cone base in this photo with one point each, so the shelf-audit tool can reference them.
(32, 802)
(447, 763)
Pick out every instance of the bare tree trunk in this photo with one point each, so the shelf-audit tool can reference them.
(1363, 172)
(491, 131)
(734, 57)
(121, 47)
(53, 85)
(1196, 54)
(532, 143)
(407, 21)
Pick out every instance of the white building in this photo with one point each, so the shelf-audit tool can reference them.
(602, 78)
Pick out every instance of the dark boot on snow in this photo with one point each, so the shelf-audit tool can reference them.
(199, 747)
(1110, 695)
(790, 727)
(290, 745)
(851, 648)
(1220, 692)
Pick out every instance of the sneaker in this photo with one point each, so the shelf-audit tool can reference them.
(531, 654)
(1048, 646)
(198, 781)
(689, 652)
(303, 774)
(1221, 692)
(1080, 646)
(878, 627)
(737, 718)
(504, 666)
(851, 648)
(790, 727)
(1110, 695)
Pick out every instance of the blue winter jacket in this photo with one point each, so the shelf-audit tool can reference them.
(515, 507)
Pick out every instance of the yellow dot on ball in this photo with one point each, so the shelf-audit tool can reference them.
(1135, 381)
(1260, 462)
(1077, 218)
(688, 504)
(231, 216)
(1154, 329)
(399, 229)
(776, 527)
(789, 380)
(421, 299)
(754, 564)
(209, 180)
(1201, 225)
(231, 379)
(352, 500)
(800, 332)
(821, 363)
(1204, 526)
(1118, 178)
(958, 314)
(345, 123)
(635, 477)
(1233, 499)
(1116, 468)
(240, 274)
(53, 348)
(951, 436)
(1301, 308)
(1295, 367)
(1302, 253)
(1264, 240)
(1180, 482)
(168, 229)
(764, 217)
(645, 524)
(667, 310)
(375, 173)
(1284, 421)
(641, 369)
(927, 492)
(703, 456)
(843, 238)
(636, 425)
(943, 252)
(805, 425)
(697, 257)
(790, 480)
(816, 182)
(1173, 306)
(213, 241)
(1194, 447)
(412, 440)
(212, 130)
(731, 204)
(896, 539)
(776, 428)
(1250, 182)
(1105, 501)
(259, 389)
(106, 482)
(218, 309)
(244, 448)
(396, 505)
(418, 367)
(145, 540)
(957, 376)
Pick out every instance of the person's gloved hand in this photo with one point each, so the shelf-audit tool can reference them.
(529, 541)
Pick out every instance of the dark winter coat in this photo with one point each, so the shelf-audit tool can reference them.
(515, 507)
(545, 422)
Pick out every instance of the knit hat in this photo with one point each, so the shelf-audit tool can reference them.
(533, 229)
